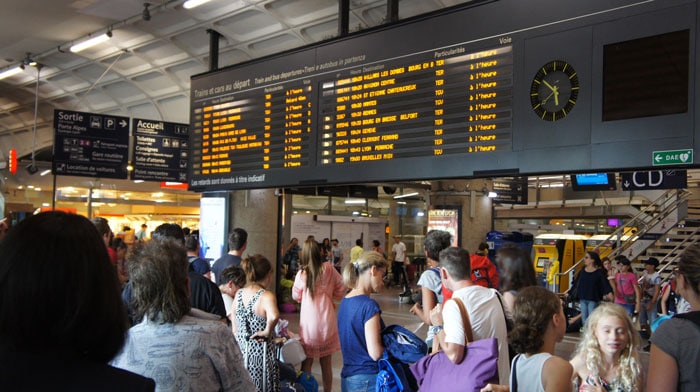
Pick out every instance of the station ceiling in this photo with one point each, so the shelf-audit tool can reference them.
(144, 69)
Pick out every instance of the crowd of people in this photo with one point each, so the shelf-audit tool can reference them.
(157, 321)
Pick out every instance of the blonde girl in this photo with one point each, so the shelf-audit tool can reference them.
(606, 358)
(360, 323)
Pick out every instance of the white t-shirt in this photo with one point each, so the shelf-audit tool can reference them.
(400, 250)
(487, 320)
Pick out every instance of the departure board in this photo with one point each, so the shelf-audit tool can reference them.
(442, 96)
(453, 102)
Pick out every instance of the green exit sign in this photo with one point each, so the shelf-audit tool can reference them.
(672, 157)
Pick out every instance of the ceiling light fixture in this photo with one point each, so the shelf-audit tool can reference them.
(91, 42)
(45, 172)
(189, 4)
(406, 195)
(11, 72)
(354, 201)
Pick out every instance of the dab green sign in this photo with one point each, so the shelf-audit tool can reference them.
(672, 157)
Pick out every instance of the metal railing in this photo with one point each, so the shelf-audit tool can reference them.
(646, 219)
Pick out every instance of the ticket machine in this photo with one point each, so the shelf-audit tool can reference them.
(567, 249)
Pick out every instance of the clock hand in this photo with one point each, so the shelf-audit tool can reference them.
(549, 85)
(548, 96)
(556, 97)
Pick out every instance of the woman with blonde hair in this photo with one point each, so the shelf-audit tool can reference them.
(360, 323)
(316, 286)
(607, 358)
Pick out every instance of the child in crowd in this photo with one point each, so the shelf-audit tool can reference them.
(538, 324)
(360, 323)
(607, 358)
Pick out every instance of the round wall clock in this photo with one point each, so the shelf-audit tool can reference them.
(554, 90)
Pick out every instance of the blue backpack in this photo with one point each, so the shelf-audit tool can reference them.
(401, 348)
(402, 344)
(387, 379)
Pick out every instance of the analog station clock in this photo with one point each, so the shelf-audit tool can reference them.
(554, 90)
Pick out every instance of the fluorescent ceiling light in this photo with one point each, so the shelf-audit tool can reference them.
(354, 201)
(406, 195)
(189, 4)
(492, 194)
(45, 172)
(138, 181)
(91, 42)
(10, 72)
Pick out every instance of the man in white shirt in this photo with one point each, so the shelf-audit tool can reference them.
(483, 306)
(398, 254)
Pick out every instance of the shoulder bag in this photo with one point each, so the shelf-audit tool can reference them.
(435, 372)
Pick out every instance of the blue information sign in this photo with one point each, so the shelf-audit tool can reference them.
(160, 150)
(90, 144)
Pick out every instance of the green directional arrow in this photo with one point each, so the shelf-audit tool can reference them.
(672, 157)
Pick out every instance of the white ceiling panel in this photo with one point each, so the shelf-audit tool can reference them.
(321, 31)
(161, 52)
(194, 42)
(298, 12)
(124, 92)
(171, 105)
(156, 84)
(69, 82)
(248, 25)
(274, 45)
(145, 110)
(183, 72)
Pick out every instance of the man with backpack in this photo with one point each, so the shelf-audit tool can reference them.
(484, 272)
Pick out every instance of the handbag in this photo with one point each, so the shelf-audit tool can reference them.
(292, 352)
(436, 372)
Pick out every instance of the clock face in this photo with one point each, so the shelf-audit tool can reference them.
(554, 90)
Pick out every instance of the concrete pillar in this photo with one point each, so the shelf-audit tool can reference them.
(256, 211)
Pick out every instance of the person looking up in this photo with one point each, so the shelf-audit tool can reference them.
(482, 305)
(675, 346)
(171, 339)
(53, 320)
(237, 244)
(360, 323)
(256, 315)
(316, 286)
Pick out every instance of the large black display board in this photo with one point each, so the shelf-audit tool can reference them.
(90, 144)
(445, 96)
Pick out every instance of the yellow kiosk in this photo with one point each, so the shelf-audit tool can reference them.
(558, 251)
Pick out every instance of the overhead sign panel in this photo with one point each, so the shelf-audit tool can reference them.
(160, 150)
(654, 179)
(511, 190)
(672, 157)
(90, 144)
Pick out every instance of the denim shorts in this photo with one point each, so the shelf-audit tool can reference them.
(358, 383)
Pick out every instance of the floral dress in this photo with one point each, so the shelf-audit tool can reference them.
(258, 357)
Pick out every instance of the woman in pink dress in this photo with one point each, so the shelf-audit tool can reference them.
(316, 285)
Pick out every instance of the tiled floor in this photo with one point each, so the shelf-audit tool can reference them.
(394, 312)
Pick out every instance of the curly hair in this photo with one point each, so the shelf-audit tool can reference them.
(533, 310)
(158, 273)
(628, 364)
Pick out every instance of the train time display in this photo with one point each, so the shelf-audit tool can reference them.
(424, 99)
